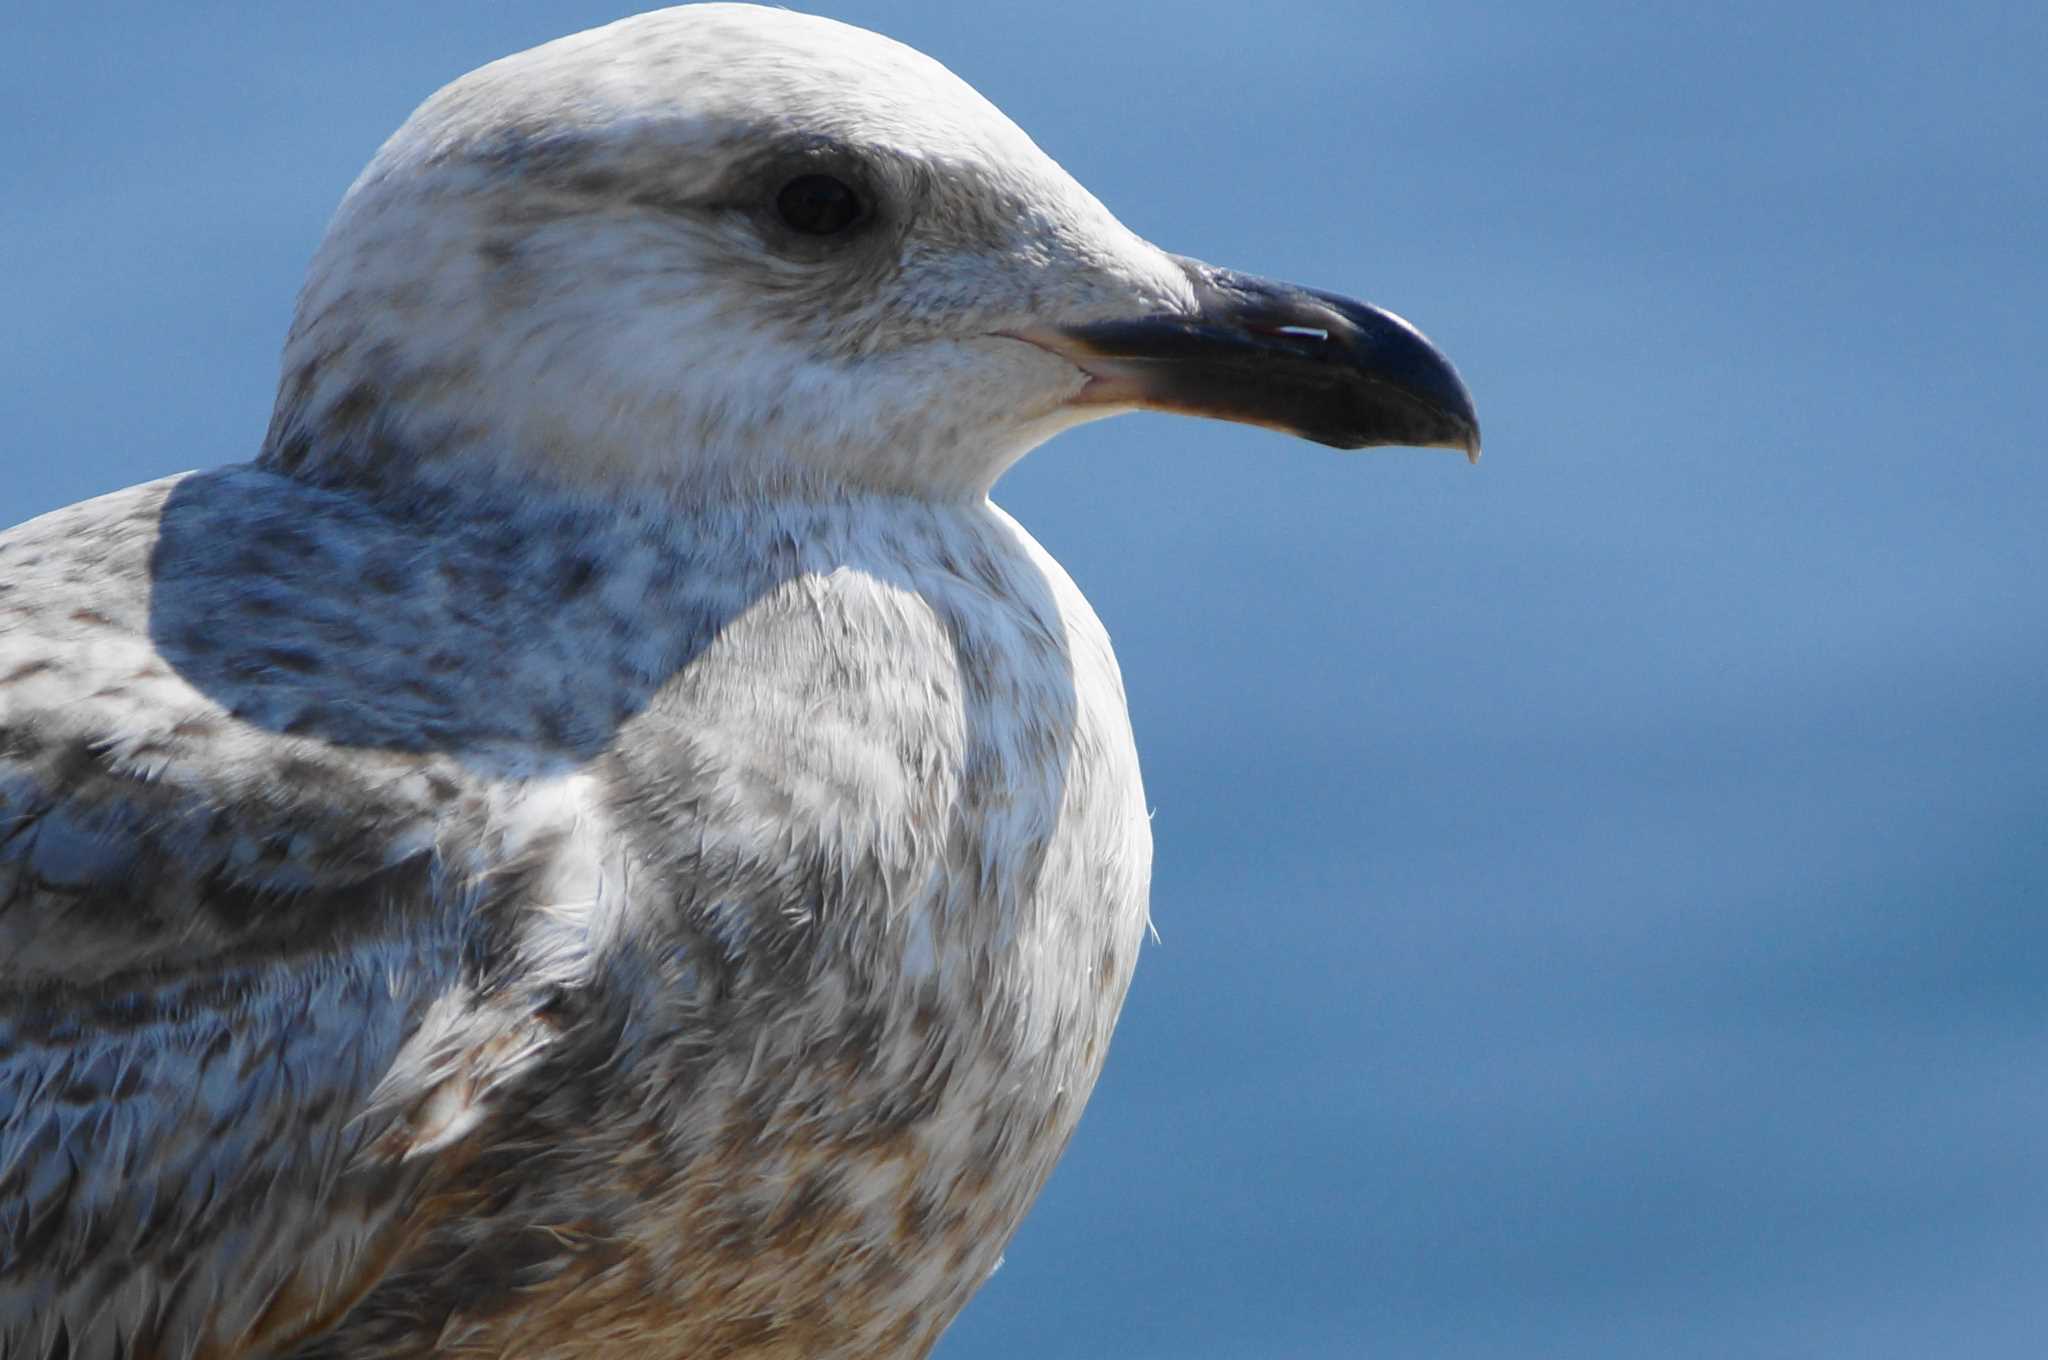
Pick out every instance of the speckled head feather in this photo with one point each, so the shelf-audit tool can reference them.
(569, 265)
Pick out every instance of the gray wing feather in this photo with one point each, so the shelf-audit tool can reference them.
(308, 835)
(216, 942)
(187, 1131)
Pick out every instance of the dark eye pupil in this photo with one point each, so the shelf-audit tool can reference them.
(818, 205)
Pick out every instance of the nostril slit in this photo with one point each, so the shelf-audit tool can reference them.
(1296, 332)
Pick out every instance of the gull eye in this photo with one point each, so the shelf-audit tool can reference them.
(818, 205)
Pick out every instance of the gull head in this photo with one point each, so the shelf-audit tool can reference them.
(731, 250)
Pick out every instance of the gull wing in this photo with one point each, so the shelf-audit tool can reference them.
(233, 1010)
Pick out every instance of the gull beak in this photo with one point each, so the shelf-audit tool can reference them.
(1327, 368)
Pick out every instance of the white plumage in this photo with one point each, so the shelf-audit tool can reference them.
(603, 840)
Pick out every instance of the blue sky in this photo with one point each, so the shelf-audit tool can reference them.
(1604, 892)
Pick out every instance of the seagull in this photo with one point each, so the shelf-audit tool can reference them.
(602, 840)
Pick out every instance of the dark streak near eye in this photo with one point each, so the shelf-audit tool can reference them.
(666, 199)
